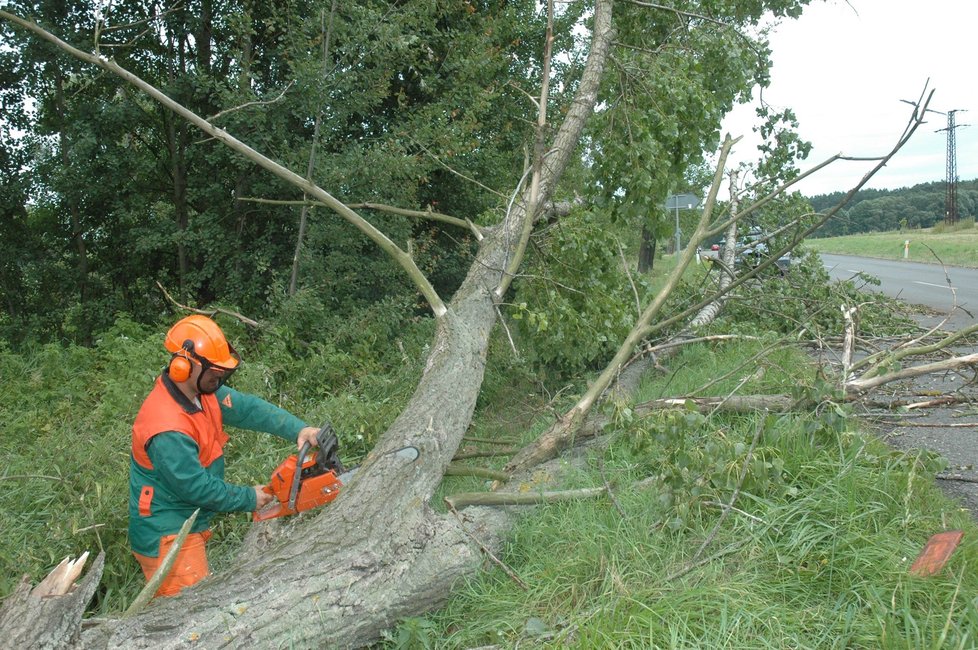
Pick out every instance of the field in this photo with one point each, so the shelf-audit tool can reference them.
(956, 246)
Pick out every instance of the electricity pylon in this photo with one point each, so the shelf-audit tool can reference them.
(951, 191)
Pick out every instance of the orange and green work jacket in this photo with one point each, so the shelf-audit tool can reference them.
(177, 460)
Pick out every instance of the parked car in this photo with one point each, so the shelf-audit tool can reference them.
(752, 249)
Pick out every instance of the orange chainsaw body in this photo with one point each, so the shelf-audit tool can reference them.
(317, 486)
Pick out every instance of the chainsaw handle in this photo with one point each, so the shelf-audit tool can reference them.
(297, 476)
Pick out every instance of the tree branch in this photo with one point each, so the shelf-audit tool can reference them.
(209, 312)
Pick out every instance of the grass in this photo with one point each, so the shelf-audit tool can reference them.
(827, 518)
(956, 246)
(815, 557)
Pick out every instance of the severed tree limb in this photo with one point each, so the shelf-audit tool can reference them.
(726, 258)
(863, 385)
(675, 343)
(881, 359)
(848, 341)
(539, 153)
(731, 404)
(379, 207)
(422, 214)
(489, 441)
(209, 312)
(463, 455)
(955, 477)
(463, 499)
(936, 425)
(455, 469)
(940, 401)
(327, 34)
(153, 584)
(265, 102)
(492, 556)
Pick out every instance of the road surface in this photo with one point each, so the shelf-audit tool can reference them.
(915, 283)
(927, 284)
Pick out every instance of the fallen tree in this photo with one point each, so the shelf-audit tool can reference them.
(380, 552)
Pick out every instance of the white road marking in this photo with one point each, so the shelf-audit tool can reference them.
(939, 286)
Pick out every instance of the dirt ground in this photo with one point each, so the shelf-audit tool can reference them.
(928, 428)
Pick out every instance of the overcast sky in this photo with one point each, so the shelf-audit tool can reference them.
(844, 67)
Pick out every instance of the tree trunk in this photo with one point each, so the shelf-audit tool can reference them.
(176, 143)
(709, 313)
(32, 621)
(646, 251)
(74, 214)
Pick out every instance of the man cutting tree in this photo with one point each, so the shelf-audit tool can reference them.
(177, 461)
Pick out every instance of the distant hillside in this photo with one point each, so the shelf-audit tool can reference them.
(920, 206)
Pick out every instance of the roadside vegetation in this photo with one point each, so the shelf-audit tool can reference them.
(719, 530)
(729, 531)
(955, 246)
(824, 522)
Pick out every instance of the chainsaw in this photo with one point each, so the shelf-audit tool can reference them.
(302, 482)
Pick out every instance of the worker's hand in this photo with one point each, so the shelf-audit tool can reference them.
(308, 434)
(263, 497)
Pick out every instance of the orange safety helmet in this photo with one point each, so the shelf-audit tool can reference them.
(200, 338)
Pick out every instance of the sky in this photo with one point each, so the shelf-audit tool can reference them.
(844, 68)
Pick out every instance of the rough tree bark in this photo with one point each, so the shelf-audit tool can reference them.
(379, 552)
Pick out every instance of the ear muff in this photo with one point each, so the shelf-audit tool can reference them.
(180, 367)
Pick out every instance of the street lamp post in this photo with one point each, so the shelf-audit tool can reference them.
(676, 201)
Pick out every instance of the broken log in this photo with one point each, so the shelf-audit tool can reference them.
(32, 620)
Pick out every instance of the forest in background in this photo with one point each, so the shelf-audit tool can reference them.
(873, 210)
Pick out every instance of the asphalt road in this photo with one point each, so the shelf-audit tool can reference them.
(919, 284)
(937, 429)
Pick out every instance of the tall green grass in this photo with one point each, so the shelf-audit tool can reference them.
(816, 554)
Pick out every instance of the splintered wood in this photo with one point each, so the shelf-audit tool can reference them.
(62, 579)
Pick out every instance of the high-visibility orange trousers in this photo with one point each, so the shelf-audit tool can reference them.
(189, 568)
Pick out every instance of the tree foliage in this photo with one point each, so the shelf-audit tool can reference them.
(413, 98)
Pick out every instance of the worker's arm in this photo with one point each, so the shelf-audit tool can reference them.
(250, 412)
(174, 456)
